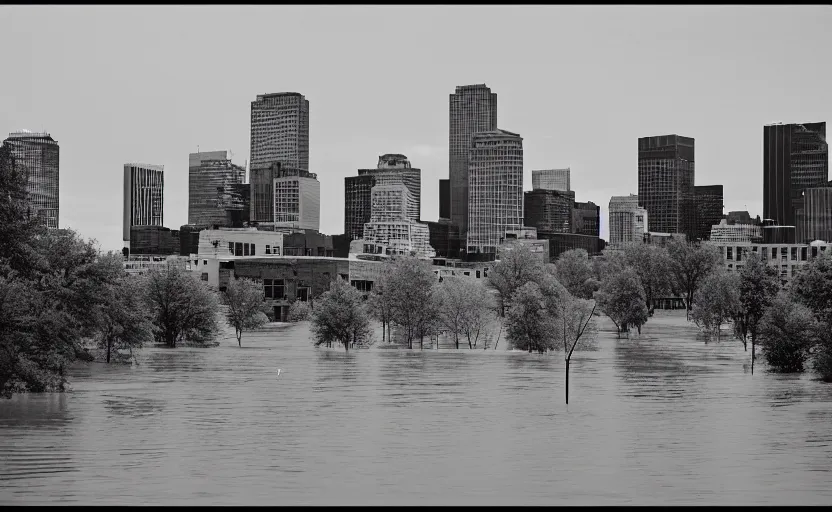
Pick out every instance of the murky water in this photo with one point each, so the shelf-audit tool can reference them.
(663, 419)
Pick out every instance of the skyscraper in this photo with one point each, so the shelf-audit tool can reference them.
(210, 178)
(297, 199)
(815, 218)
(444, 199)
(628, 221)
(550, 211)
(795, 157)
(279, 134)
(143, 197)
(551, 179)
(38, 155)
(665, 183)
(586, 219)
(394, 168)
(708, 209)
(357, 204)
(495, 184)
(473, 108)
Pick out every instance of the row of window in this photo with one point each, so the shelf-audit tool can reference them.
(786, 253)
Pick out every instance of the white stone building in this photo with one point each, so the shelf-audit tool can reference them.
(627, 220)
(724, 233)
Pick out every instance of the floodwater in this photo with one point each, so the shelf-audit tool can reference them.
(659, 419)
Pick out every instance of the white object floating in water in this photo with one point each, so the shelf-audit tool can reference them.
(278, 372)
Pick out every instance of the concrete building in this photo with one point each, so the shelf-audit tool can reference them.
(795, 157)
(357, 204)
(391, 231)
(586, 219)
(787, 258)
(724, 233)
(38, 155)
(495, 189)
(627, 220)
(444, 238)
(549, 210)
(144, 186)
(279, 135)
(551, 179)
(211, 177)
(473, 109)
(137, 265)
(154, 240)
(395, 169)
(708, 209)
(666, 181)
(297, 200)
(814, 220)
(562, 242)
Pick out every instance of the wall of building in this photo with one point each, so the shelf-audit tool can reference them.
(39, 155)
(586, 219)
(550, 211)
(559, 243)
(156, 240)
(144, 199)
(666, 173)
(788, 259)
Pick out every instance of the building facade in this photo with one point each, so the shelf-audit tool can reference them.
(559, 243)
(473, 109)
(814, 220)
(38, 155)
(395, 169)
(495, 189)
(445, 199)
(357, 204)
(211, 176)
(795, 157)
(551, 179)
(724, 233)
(444, 238)
(586, 219)
(708, 208)
(627, 220)
(144, 203)
(787, 258)
(391, 231)
(549, 210)
(154, 240)
(279, 135)
(665, 182)
(297, 200)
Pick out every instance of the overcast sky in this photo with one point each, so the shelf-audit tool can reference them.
(579, 84)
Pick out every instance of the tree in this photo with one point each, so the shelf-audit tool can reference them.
(246, 307)
(609, 263)
(381, 304)
(465, 307)
(716, 301)
(621, 298)
(788, 330)
(518, 265)
(529, 326)
(812, 287)
(341, 316)
(410, 291)
(759, 284)
(299, 311)
(652, 264)
(689, 264)
(574, 271)
(183, 307)
(574, 316)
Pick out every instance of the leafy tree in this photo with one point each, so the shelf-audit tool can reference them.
(182, 306)
(299, 311)
(529, 325)
(759, 284)
(410, 290)
(689, 264)
(341, 316)
(465, 308)
(788, 330)
(574, 324)
(381, 303)
(716, 301)
(621, 298)
(812, 287)
(246, 307)
(652, 264)
(518, 265)
(608, 264)
(574, 271)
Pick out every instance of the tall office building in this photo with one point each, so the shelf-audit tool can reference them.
(391, 230)
(38, 155)
(814, 220)
(144, 203)
(279, 135)
(473, 109)
(708, 209)
(627, 220)
(795, 157)
(444, 199)
(297, 200)
(586, 219)
(210, 178)
(393, 169)
(357, 204)
(551, 179)
(665, 183)
(495, 185)
(550, 211)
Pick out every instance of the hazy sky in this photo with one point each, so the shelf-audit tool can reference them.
(579, 84)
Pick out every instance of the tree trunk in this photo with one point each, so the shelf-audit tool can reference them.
(567, 382)
(109, 347)
(240, 338)
(421, 341)
(456, 340)
(383, 331)
(347, 345)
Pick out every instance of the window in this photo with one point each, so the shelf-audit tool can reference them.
(204, 276)
(273, 288)
(794, 253)
(268, 249)
(276, 250)
(774, 253)
(238, 249)
(730, 254)
(252, 250)
(245, 250)
(303, 293)
(231, 248)
(739, 253)
(803, 254)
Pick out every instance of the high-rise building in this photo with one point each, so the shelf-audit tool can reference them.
(393, 169)
(586, 219)
(143, 197)
(210, 178)
(627, 220)
(739, 217)
(38, 155)
(814, 220)
(495, 189)
(445, 199)
(391, 231)
(795, 157)
(473, 108)
(357, 204)
(665, 183)
(708, 208)
(549, 210)
(279, 135)
(551, 179)
(297, 200)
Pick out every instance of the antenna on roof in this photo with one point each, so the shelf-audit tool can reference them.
(197, 148)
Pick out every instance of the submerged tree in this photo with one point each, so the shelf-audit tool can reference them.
(575, 321)
(465, 309)
(652, 265)
(621, 298)
(123, 320)
(381, 300)
(518, 265)
(574, 272)
(812, 287)
(341, 316)
(759, 284)
(529, 325)
(413, 303)
(246, 307)
(689, 264)
(717, 301)
(788, 331)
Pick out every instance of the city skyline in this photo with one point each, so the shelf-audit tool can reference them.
(352, 123)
